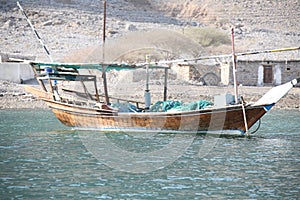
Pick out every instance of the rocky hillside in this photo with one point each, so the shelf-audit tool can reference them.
(69, 25)
(255, 14)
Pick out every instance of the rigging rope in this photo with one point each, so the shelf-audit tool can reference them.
(35, 32)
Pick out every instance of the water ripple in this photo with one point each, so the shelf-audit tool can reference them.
(41, 159)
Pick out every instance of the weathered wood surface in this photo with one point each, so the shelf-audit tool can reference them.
(229, 118)
(38, 93)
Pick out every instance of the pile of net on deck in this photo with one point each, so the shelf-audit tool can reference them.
(165, 106)
(178, 106)
(126, 107)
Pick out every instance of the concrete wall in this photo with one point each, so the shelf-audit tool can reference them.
(252, 72)
(183, 72)
(15, 72)
(249, 73)
(225, 73)
(208, 74)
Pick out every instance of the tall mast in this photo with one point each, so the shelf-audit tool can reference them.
(103, 54)
(234, 68)
(104, 22)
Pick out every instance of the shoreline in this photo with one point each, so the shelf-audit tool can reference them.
(14, 96)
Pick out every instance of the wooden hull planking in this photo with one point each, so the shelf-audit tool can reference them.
(38, 93)
(229, 118)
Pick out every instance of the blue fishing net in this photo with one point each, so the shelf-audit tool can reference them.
(197, 105)
(164, 106)
(125, 107)
(177, 106)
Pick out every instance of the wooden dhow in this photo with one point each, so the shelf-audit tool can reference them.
(89, 112)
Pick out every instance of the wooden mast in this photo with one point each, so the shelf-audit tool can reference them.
(147, 94)
(103, 54)
(234, 68)
(166, 85)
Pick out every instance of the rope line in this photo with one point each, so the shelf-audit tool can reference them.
(35, 32)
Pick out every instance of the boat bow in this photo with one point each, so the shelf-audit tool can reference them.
(276, 93)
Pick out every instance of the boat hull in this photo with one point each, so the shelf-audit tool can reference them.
(227, 118)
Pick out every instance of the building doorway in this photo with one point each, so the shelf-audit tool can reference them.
(268, 74)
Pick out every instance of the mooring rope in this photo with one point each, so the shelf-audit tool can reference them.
(245, 117)
(259, 123)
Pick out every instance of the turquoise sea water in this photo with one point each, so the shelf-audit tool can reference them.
(42, 159)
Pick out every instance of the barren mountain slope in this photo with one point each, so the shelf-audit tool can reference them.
(68, 25)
